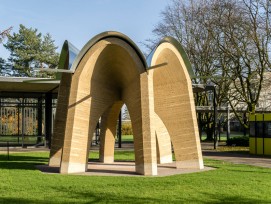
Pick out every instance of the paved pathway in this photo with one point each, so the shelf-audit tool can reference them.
(238, 158)
(235, 157)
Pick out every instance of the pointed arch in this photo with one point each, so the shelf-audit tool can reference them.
(108, 69)
(108, 131)
(174, 101)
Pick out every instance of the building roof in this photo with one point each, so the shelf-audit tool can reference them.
(28, 85)
(102, 36)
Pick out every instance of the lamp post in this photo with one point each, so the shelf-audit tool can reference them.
(119, 130)
(215, 118)
(228, 122)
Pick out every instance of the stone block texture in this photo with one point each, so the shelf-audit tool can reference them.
(174, 105)
(109, 72)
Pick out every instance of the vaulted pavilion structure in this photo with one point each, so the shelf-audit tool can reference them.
(111, 71)
(174, 107)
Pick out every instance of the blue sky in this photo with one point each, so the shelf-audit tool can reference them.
(80, 20)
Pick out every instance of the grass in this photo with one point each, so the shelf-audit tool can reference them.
(229, 183)
(17, 140)
(223, 135)
(119, 155)
(237, 149)
(127, 138)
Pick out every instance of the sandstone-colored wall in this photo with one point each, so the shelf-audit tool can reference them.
(164, 150)
(174, 104)
(60, 120)
(108, 131)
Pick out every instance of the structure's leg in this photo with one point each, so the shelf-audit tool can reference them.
(182, 127)
(140, 107)
(75, 144)
(75, 148)
(83, 115)
(176, 107)
(60, 121)
(164, 151)
(108, 132)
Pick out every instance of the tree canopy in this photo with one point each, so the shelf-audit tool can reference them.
(30, 49)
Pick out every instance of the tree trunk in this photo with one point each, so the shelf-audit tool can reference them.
(209, 132)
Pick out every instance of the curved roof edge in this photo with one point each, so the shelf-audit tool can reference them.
(102, 36)
(68, 51)
(179, 47)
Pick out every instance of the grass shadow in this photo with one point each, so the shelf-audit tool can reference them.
(22, 201)
(20, 162)
(93, 196)
(15, 157)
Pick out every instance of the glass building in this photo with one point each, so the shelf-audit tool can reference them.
(27, 109)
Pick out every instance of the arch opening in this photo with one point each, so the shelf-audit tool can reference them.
(109, 134)
(109, 74)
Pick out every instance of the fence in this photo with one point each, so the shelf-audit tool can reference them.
(23, 121)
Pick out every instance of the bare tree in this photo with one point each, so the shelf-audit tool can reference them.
(242, 33)
(228, 43)
(4, 66)
(4, 34)
(185, 20)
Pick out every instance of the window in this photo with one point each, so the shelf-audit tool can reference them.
(252, 129)
(267, 132)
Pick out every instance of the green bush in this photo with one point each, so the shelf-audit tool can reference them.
(126, 129)
(238, 141)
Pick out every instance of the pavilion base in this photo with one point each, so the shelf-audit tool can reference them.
(125, 169)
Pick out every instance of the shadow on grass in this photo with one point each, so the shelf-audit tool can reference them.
(107, 197)
(118, 197)
(21, 162)
(243, 154)
(19, 165)
(16, 157)
(20, 200)
(222, 198)
(253, 172)
(241, 167)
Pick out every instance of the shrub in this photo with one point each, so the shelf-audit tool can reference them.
(126, 129)
(238, 141)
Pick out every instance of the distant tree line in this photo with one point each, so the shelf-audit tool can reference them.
(228, 43)
(29, 49)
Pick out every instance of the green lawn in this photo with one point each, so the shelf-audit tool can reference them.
(22, 183)
(223, 135)
(17, 140)
(127, 138)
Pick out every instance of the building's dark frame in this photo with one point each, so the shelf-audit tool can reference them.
(48, 105)
(45, 92)
(197, 88)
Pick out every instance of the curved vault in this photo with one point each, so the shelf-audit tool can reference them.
(174, 105)
(110, 70)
